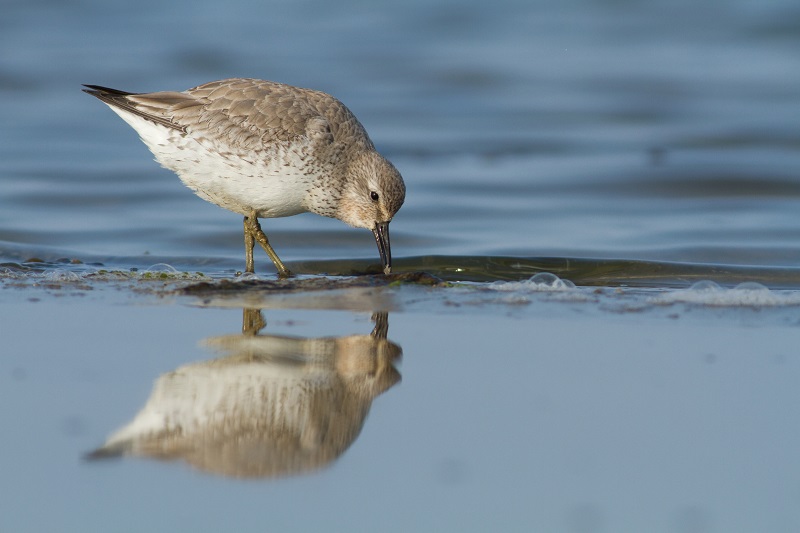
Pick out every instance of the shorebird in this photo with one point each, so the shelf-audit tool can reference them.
(266, 149)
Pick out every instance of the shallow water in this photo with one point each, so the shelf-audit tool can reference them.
(634, 148)
(516, 405)
(595, 130)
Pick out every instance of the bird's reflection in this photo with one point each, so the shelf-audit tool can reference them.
(271, 406)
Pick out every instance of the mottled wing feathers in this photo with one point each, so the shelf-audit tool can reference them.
(248, 113)
(275, 111)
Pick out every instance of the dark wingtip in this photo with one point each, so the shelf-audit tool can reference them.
(99, 90)
(104, 453)
(90, 89)
(116, 98)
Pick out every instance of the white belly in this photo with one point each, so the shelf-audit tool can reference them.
(275, 186)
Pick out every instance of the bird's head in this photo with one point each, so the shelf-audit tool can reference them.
(373, 193)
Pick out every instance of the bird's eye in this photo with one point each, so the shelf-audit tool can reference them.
(374, 196)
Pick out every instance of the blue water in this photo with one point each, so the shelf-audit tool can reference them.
(619, 130)
(617, 143)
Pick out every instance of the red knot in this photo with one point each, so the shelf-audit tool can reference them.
(265, 149)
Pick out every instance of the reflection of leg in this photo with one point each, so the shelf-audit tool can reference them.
(249, 244)
(381, 329)
(252, 321)
(254, 229)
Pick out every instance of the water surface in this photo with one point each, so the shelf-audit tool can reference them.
(645, 151)
(608, 130)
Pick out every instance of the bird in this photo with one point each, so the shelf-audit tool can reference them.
(264, 149)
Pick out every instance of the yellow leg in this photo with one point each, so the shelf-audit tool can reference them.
(249, 244)
(253, 234)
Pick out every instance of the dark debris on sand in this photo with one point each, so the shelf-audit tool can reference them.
(207, 288)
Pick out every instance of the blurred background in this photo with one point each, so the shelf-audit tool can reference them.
(585, 128)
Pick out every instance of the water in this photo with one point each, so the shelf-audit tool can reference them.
(634, 148)
(616, 130)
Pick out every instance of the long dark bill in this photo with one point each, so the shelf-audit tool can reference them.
(381, 232)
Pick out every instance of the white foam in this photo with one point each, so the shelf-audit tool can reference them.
(748, 294)
(246, 276)
(61, 275)
(541, 282)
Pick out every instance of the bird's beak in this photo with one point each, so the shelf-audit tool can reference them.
(381, 232)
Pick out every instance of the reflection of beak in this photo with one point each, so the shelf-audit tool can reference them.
(381, 232)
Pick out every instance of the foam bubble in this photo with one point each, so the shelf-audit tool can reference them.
(61, 276)
(162, 267)
(246, 276)
(543, 282)
(747, 294)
